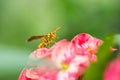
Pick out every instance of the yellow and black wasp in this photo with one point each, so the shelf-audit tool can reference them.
(46, 39)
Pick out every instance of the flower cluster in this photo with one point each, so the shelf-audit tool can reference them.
(71, 58)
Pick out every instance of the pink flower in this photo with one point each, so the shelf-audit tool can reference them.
(112, 71)
(86, 45)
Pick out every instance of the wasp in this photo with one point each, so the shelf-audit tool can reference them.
(46, 39)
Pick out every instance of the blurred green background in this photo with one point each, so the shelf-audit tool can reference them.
(20, 19)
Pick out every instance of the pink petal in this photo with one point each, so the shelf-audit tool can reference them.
(85, 41)
(41, 53)
(23, 75)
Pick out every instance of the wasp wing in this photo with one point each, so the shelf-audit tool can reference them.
(34, 38)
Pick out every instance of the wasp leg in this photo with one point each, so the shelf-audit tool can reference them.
(49, 43)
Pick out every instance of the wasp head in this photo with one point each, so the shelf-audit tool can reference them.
(54, 36)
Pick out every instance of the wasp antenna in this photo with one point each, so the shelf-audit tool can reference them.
(57, 28)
